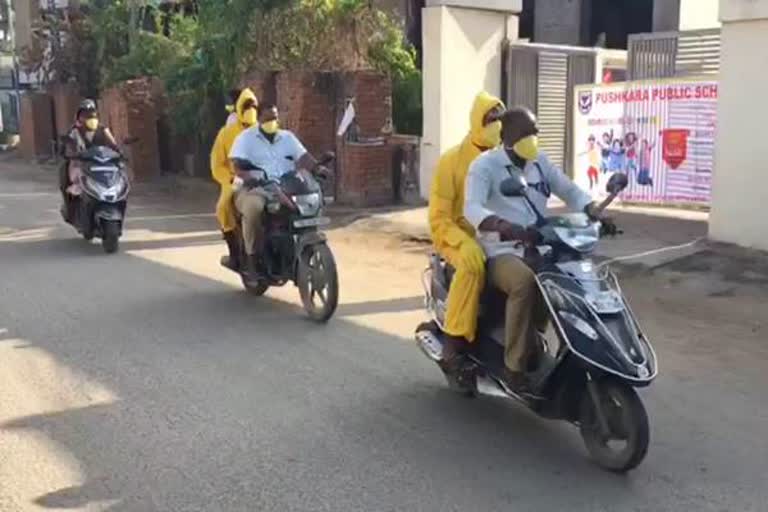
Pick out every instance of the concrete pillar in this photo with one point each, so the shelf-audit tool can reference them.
(462, 56)
(740, 194)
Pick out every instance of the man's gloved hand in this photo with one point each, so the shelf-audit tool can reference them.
(510, 231)
(472, 255)
(323, 172)
(608, 227)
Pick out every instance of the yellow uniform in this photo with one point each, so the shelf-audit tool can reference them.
(452, 235)
(221, 167)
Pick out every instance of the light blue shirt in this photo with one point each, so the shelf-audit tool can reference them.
(483, 196)
(276, 158)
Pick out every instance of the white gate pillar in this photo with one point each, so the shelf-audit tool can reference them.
(462, 50)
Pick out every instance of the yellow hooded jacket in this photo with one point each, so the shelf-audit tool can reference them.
(447, 224)
(452, 235)
(221, 167)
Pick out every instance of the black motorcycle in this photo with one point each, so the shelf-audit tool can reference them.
(294, 248)
(99, 210)
(590, 360)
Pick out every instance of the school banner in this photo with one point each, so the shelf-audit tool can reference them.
(661, 134)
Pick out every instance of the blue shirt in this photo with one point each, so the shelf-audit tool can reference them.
(484, 198)
(276, 158)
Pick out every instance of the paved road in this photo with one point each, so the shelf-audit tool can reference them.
(149, 381)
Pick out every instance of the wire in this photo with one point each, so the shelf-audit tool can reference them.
(651, 252)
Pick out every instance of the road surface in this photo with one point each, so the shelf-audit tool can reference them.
(149, 381)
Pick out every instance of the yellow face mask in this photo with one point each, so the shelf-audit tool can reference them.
(491, 135)
(270, 127)
(527, 148)
(250, 117)
(91, 124)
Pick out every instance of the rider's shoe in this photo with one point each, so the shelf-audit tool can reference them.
(232, 260)
(515, 381)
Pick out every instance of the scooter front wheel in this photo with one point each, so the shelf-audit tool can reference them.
(619, 442)
(110, 236)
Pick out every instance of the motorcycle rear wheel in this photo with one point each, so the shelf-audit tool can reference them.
(627, 421)
(318, 279)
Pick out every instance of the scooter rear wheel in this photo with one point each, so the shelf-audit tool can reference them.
(625, 446)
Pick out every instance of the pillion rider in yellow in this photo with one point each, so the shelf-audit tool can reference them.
(452, 235)
(223, 172)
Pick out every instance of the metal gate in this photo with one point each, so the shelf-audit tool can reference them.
(542, 78)
(673, 54)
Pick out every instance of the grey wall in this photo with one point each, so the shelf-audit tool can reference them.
(666, 15)
(559, 21)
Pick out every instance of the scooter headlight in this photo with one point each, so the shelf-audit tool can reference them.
(580, 325)
(308, 204)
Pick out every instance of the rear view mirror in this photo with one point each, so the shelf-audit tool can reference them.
(617, 183)
(326, 158)
(514, 186)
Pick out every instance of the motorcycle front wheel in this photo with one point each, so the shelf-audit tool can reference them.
(318, 282)
(621, 446)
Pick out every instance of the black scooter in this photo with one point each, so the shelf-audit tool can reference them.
(99, 210)
(593, 355)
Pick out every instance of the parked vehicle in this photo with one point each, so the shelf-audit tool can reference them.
(99, 210)
(594, 353)
(295, 248)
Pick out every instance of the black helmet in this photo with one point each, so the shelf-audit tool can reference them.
(86, 106)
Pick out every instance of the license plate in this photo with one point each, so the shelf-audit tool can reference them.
(308, 223)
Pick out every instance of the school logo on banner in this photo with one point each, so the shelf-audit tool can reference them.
(585, 102)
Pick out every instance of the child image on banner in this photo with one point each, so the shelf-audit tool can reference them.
(630, 146)
(644, 161)
(616, 156)
(594, 161)
(605, 151)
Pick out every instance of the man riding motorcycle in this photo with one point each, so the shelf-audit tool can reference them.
(85, 133)
(224, 173)
(452, 235)
(276, 152)
(499, 219)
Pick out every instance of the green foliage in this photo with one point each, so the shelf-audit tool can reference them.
(152, 55)
(407, 107)
(206, 54)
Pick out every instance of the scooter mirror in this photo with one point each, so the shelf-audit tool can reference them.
(514, 186)
(617, 183)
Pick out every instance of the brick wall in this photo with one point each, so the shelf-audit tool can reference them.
(373, 102)
(37, 129)
(66, 99)
(311, 105)
(130, 110)
(307, 105)
(366, 176)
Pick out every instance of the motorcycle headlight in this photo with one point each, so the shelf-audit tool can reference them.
(308, 204)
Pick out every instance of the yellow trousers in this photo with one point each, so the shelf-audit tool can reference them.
(225, 210)
(464, 296)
